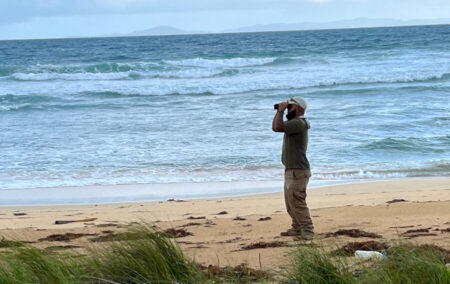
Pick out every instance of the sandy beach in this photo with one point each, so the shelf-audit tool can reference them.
(235, 230)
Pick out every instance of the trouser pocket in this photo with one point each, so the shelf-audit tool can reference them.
(301, 174)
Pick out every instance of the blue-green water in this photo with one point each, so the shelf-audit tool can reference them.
(200, 107)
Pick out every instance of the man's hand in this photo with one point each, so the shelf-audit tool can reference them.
(282, 106)
(278, 124)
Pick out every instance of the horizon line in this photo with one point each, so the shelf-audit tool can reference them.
(229, 32)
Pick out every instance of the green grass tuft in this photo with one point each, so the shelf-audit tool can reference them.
(314, 265)
(4, 243)
(409, 264)
(404, 264)
(140, 255)
(30, 265)
(143, 255)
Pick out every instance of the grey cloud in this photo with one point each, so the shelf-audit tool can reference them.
(20, 10)
(12, 11)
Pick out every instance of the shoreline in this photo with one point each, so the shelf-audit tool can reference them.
(155, 192)
(353, 194)
(219, 229)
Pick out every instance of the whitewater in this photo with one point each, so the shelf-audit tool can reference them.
(199, 108)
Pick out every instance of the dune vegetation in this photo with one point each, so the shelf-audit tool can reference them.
(144, 255)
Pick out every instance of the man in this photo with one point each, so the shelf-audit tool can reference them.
(297, 169)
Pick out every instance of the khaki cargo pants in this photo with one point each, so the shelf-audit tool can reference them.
(295, 182)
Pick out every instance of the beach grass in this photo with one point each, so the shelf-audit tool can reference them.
(313, 264)
(404, 263)
(139, 255)
(4, 243)
(408, 263)
(142, 254)
(31, 265)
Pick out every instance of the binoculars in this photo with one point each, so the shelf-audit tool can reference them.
(275, 106)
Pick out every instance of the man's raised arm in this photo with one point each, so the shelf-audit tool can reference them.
(278, 124)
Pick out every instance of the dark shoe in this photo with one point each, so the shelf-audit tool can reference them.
(291, 233)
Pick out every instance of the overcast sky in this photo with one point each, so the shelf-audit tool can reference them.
(72, 18)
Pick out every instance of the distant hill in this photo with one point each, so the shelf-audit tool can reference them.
(343, 24)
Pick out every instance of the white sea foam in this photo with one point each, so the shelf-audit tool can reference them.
(231, 62)
(70, 76)
(361, 174)
(297, 74)
(13, 107)
(52, 178)
(184, 68)
(219, 77)
(99, 67)
(113, 121)
(193, 73)
(129, 75)
(166, 83)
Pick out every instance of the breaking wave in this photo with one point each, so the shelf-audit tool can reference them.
(231, 62)
(127, 110)
(14, 107)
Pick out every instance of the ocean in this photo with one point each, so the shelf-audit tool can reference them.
(199, 108)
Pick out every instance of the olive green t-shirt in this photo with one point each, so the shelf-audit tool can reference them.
(295, 143)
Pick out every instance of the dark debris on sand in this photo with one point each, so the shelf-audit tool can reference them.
(196, 218)
(191, 224)
(259, 245)
(401, 227)
(65, 237)
(396, 201)
(353, 233)
(177, 233)
(106, 238)
(410, 234)
(107, 225)
(111, 236)
(192, 243)
(209, 223)
(350, 248)
(229, 241)
(264, 219)
(237, 218)
(420, 235)
(241, 271)
(444, 253)
(426, 230)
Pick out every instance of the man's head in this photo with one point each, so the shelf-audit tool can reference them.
(297, 107)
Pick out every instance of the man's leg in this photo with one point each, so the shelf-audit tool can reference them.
(296, 193)
(288, 182)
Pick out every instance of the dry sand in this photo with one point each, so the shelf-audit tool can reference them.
(219, 239)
